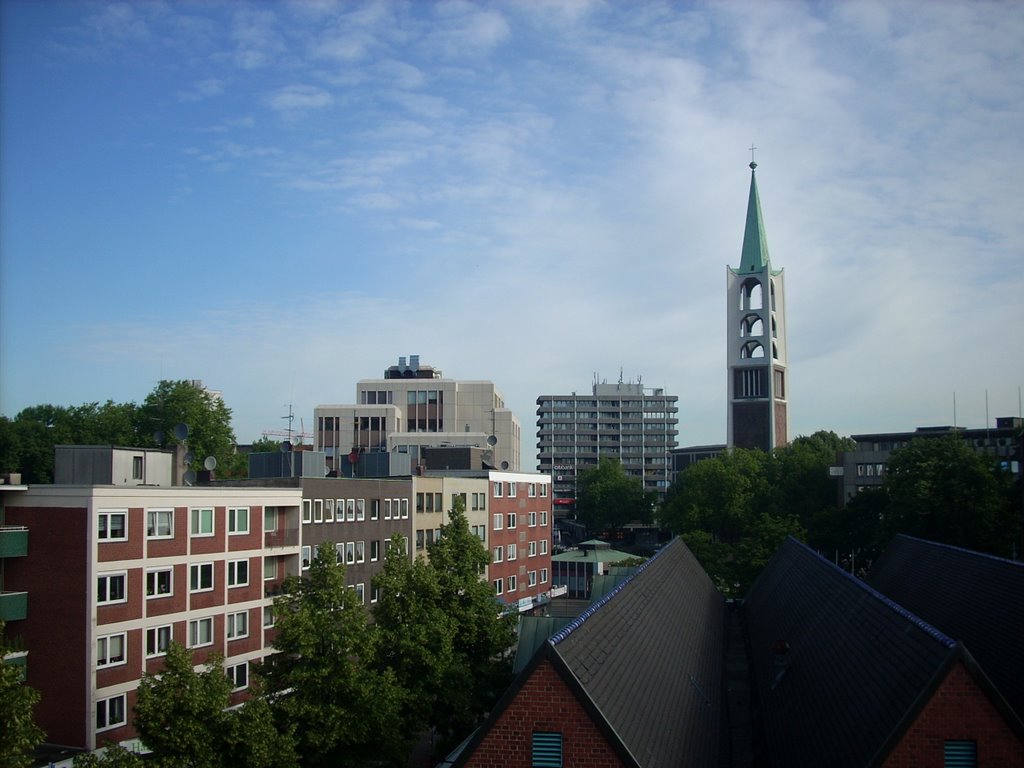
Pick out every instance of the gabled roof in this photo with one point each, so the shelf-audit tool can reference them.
(858, 667)
(754, 256)
(646, 663)
(975, 598)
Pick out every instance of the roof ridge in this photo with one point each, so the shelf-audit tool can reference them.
(576, 623)
(913, 618)
(962, 550)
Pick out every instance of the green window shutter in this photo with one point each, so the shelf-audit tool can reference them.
(547, 750)
(961, 754)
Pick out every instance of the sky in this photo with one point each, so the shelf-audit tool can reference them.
(282, 198)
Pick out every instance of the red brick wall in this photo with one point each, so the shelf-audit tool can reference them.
(959, 709)
(544, 703)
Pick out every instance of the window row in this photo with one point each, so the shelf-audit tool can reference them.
(353, 510)
(348, 553)
(510, 519)
(510, 551)
(113, 587)
(510, 584)
(112, 525)
(500, 489)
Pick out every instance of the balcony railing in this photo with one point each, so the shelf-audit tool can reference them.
(13, 541)
(283, 537)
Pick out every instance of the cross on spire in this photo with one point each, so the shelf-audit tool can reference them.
(753, 165)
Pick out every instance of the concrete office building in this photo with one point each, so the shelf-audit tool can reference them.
(414, 407)
(758, 409)
(625, 421)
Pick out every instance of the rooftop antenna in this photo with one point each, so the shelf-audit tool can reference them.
(291, 418)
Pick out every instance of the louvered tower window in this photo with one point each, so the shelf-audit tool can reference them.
(547, 750)
(961, 754)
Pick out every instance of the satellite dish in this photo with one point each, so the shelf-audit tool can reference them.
(210, 463)
(181, 431)
(492, 440)
(190, 456)
(190, 477)
(284, 447)
(158, 437)
(504, 465)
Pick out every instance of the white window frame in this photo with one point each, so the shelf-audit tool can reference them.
(268, 617)
(532, 549)
(152, 574)
(374, 594)
(108, 578)
(360, 510)
(318, 510)
(233, 573)
(237, 625)
(532, 580)
(498, 521)
(532, 520)
(269, 519)
(235, 516)
(162, 637)
(350, 510)
(543, 518)
(387, 509)
(339, 553)
(361, 593)
(306, 557)
(405, 508)
(531, 490)
(360, 551)
(195, 576)
(152, 529)
(513, 518)
(196, 516)
(543, 546)
(510, 552)
(499, 554)
(375, 509)
(512, 584)
(374, 550)
(108, 709)
(236, 671)
(328, 510)
(499, 586)
(195, 634)
(350, 552)
(543, 575)
(307, 510)
(105, 646)
(270, 563)
(496, 488)
(103, 531)
(543, 490)
(512, 489)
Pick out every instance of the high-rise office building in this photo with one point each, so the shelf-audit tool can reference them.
(758, 412)
(414, 407)
(624, 421)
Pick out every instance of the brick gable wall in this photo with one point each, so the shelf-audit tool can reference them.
(959, 709)
(544, 703)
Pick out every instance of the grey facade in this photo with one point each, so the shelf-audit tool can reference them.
(623, 421)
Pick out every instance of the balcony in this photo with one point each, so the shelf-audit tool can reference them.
(13, 541)
(13, 605)
(283, 537)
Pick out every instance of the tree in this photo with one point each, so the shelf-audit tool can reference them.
(19, 735)
(482, 633)
(183, 716)
(322, 680)
(939, 489)
(207, 417)
(607, 498)
(415, 637)
(113, 756)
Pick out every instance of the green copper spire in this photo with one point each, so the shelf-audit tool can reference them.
(755, 244)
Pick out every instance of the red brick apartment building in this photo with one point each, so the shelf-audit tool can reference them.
(520, 537)
(114, 573)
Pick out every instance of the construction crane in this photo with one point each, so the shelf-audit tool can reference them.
(290, 434)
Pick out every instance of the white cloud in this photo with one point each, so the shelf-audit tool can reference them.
(299, 98)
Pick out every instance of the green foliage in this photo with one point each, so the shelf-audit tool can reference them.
(182, 716)
(113, 756)
(323, 682)
(607, 498)
(207, 417)
(265, 445)
(940, 489)
(19, 735)
(415, 637)
(482, 636)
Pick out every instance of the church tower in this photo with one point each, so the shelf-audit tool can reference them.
(757, 368)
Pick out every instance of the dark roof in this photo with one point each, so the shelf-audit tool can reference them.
(975, 598)
(646, 663)
(856, 666)
(649, 656)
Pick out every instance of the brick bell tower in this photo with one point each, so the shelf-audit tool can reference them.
(758, 372)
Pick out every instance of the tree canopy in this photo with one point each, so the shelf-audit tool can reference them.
(19, 735)
(607, 498)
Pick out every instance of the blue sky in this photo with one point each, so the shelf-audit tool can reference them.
(283, 198)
